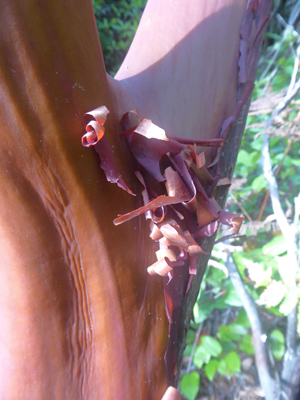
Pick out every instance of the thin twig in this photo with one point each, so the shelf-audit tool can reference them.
(276, 173)
(194, 348)
(241, 206)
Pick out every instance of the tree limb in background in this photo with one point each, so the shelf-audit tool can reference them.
(270, 386)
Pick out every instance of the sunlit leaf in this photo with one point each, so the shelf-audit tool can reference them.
(189, 385)
(202, 309)
(211, 345)
(273, 294)
(259, 183)
(201, 357)
(275, 247)
(277, 342)
(246, 345)
(257, 273)
(231, 332)
(290, 301)
(233, 361)
(229, 298)
(242, 319)
(244, 158)
(229, 364)
(211, 369)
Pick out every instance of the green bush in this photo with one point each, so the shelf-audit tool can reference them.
(117, 22)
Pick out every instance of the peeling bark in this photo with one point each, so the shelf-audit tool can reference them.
(81, 317)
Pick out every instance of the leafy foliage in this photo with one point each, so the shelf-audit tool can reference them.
(117, 22)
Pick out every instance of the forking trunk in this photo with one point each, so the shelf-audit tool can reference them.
(81, 318)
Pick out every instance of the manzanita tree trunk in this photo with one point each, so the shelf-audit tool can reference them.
(80, 316)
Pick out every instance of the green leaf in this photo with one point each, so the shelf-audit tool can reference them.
(259, 183)
(233, 362)
(188, 350)
(239, 258)
(231, 332)
(227, 347)
(190, 337)
(220, 302)
(275, 247)
(201, 357)
(211, 346)
(277, 342)
(257, 143)
(230, 298)
(189, 385)
(246, 345)
(242, 319)
(290, 301)
(222, 367)
(244, 158)
(273, 294)
(215, 276)
(229, 364)
(211, 369)
(203, 308)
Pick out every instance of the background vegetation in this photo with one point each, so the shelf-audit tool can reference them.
(220, 358)
(117, 22)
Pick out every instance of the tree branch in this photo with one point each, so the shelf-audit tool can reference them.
(269, 385)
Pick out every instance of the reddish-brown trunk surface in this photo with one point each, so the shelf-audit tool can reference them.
(80, 317)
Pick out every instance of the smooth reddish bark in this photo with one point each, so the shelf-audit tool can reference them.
(81, 318)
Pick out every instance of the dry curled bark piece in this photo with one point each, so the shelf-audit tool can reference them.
(189, 186)
(94, 121)
(233, 220)
(148, 152)
(149, 130)
(160, 201)
(161, 267)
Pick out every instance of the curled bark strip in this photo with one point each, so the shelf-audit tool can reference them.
(151, 131)
(161, 267)
(193, 247)
(95, 132)
(233, 220)
(174, 185)
(94, 121)
(208, 230)
(162, 253)
(148, 152)
(109, 165)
